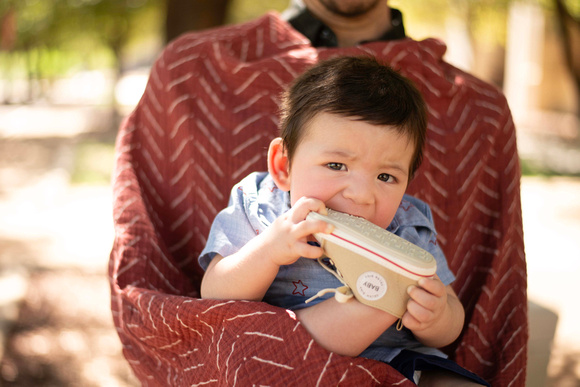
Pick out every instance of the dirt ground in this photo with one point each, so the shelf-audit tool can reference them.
(55, 322)
(64, 335)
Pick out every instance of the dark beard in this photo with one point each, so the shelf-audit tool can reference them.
(355, 10)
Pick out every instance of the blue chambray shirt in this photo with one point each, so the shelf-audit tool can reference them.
(256, 202)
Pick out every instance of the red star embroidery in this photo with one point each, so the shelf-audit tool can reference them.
(299, 287)
(405, 205)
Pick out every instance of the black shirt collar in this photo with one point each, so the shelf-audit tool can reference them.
(321, 35)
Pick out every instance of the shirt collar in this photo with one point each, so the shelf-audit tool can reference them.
(321, 35)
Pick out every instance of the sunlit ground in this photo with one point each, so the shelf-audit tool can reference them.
(54, 243)
(551, 210)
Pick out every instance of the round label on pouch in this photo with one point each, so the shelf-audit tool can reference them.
(371, 286)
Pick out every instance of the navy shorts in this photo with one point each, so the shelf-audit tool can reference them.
(407, 362)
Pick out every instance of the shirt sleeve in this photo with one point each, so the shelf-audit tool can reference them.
(415, 224)
(231, 229)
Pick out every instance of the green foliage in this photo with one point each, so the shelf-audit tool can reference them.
(573, 7)
(54, 37)
(57, 36)
(485, 19)
(244, 10)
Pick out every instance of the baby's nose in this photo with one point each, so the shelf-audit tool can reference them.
(360, 190)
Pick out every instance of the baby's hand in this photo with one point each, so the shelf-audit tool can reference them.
(289, 234)
(426, 305)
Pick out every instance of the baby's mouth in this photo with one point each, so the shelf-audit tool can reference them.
(349, 213)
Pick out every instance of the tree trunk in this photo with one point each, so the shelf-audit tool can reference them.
(570, 28)
(190, 15)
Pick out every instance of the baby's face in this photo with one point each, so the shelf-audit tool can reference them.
(352, 166)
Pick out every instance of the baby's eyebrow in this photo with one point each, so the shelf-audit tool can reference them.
(395, 166)
(338, 153)
(401, 169)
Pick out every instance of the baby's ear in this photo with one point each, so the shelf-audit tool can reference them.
(278, 164)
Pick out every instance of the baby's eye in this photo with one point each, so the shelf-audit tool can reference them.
(386, 178)
(336, 166)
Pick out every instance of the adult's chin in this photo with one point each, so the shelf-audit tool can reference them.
(350, 8)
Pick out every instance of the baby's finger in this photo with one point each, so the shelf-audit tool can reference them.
(418, 312)
(433, 285)
(422, 297)
(304, 206)
(306, 250)
(410, 322)
(310, 227)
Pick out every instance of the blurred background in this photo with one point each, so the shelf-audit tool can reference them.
(70, 70)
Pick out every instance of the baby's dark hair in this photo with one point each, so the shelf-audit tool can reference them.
(360, 88)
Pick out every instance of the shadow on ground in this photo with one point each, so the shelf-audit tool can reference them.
(56, 327)
(64, 334)
(564, 369)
